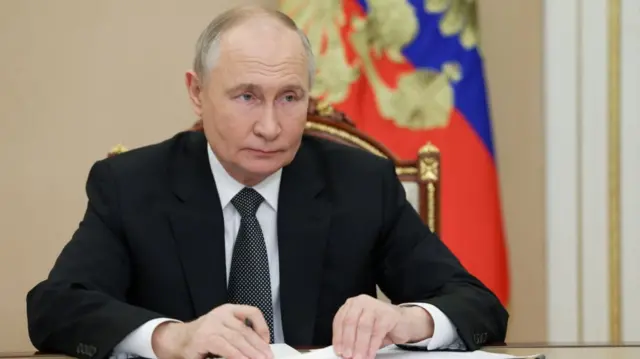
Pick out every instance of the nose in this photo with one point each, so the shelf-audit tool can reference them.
(268, 127)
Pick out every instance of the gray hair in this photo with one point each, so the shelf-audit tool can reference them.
(208, 45)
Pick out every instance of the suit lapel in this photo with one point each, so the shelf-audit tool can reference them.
(198, 225)
(303, 224)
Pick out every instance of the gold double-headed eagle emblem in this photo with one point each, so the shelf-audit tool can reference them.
(423, 98)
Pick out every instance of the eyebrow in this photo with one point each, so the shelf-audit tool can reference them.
(255, 88)
(242, 87)
(294, 88)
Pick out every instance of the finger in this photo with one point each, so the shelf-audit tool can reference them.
(337, 328)
(217, 346)
(255, 319)
(349, 328)
(253, 338)
(381, 328)
(364, 330)
(239, 342)
(386, 342)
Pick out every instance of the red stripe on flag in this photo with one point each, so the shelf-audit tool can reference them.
(471, 220)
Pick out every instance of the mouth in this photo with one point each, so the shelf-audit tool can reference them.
(263, 152)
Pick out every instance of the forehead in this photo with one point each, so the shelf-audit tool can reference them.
(262, 45)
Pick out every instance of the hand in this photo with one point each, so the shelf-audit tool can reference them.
(365, 324)
(221, 332)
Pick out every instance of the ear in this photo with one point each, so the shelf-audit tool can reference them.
(195, 89)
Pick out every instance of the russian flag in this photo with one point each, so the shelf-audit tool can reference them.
(408, 73)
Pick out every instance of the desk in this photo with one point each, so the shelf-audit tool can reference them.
(572, 352)
(551, 352)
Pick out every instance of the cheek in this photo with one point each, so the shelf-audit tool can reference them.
(236, 130)
(294, 118)
(292, 130)
(233, 121)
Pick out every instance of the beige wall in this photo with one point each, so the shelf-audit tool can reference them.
(77, 77)
(512, 45)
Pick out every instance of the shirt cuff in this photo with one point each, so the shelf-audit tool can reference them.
(138, 342)
(445, 334)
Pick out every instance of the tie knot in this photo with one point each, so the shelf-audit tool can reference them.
(247, 201)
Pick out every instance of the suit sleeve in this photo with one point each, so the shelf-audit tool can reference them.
(80, 309)
(416, 266)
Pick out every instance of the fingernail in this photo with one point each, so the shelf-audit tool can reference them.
(347, 353)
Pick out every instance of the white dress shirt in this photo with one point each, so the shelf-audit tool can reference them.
(138, 342)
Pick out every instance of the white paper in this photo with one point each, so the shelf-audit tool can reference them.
(393, 352)
(281, 351)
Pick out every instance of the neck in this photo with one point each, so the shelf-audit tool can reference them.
(248, 180)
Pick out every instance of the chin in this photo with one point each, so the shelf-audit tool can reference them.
(264, 167)
(267, 165)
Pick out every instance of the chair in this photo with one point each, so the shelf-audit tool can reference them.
(420, 177)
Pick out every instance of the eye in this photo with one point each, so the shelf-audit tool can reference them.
(246, 97)
(290, 98)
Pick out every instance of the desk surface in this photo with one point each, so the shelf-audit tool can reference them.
(603, 352)
(550, 352)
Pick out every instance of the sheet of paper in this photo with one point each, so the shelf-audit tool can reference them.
(281, 351)
(393, 352)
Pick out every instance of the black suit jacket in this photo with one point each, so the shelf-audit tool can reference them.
(151, 244)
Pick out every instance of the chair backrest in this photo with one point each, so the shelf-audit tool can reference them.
(420, 177)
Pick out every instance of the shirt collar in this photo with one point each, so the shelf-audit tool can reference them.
(228, 187)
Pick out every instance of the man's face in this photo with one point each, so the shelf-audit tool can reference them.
(254, 103)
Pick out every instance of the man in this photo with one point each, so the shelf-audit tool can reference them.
(219, 243)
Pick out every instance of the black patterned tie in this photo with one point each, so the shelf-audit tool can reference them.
(249, 281)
